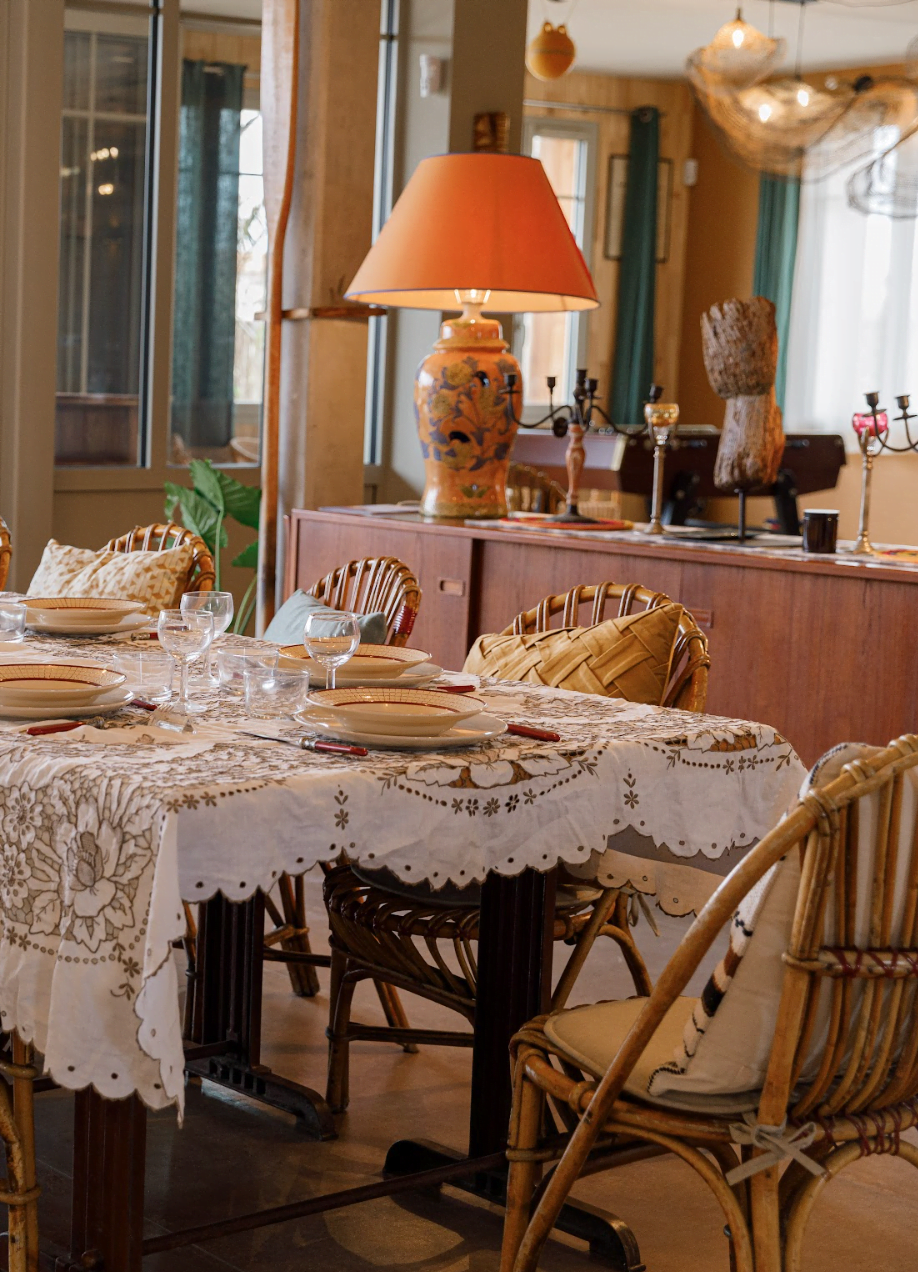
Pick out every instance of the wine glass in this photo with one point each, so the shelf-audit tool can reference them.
(220, 605)
(185, 636)
(331, 637)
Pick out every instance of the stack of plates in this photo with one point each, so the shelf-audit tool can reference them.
(83, 615)
(413, 718)
(37, 690)
(382, 666)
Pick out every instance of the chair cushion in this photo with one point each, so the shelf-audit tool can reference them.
(286, 627)
(626, 657)
(591, 1036)
(157, 579)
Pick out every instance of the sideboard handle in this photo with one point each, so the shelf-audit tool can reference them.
(451, 587)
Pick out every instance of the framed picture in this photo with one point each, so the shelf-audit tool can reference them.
(615, 207)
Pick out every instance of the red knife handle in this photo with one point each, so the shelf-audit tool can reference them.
(38, 730)
(542, 735)
(143, 704)
(457, 688)
(339, 748)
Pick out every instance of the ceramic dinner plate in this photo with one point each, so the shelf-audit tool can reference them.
(131, 623)
(113, 701)
(75, 610)
(419, 677)
(371, 661)
(55, 683)
(480, 728)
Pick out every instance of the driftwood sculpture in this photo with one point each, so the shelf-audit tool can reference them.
(740, 343)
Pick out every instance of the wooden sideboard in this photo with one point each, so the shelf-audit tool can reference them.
(823, 649)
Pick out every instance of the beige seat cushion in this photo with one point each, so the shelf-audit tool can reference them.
(157, 579)
(626, 657)
(591, 1036)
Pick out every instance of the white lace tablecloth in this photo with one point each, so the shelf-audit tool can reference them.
(100, 843)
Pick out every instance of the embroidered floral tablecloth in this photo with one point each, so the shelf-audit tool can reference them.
(100, 844)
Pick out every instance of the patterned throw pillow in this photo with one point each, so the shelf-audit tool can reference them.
(157, 579)
(626, 658)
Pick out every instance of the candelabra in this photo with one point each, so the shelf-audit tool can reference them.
(575, 419)
(872, 430)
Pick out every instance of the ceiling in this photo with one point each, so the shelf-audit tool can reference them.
(654, 37)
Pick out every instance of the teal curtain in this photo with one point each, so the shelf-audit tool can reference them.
(204, 320)
(775, 253)
(632, 371)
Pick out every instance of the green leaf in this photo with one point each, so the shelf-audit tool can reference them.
(173, 495)
(200, 516)
(248, 557)
(206, 481)
(240, 501)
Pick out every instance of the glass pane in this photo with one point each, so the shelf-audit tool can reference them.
(100, 314)
(121, 75)
(547, 338)
(221, 253)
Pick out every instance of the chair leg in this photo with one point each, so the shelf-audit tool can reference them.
(396, 1016)
(304, 979)
(620, 932)
(584, 943)
(525, 1170)
(766, 1222)
(337, 1092)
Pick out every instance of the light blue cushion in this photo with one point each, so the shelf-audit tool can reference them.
(286, 627)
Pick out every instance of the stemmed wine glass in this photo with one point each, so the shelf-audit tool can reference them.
(331, 637)
(185, 636)
(220, 605)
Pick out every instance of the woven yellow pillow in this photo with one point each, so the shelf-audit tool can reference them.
(156, 578)
(621, 658)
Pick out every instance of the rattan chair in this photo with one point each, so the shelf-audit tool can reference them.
(688, 682)
(531, 490)
(369, 586)
(6, 553)
(381, 933)
(156, 538)
(837, 1048)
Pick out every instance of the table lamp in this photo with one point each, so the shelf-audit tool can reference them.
(469, 231)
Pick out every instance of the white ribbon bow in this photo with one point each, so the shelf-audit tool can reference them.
(777, 1145)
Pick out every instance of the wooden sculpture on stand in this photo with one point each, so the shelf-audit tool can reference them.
(740, 344)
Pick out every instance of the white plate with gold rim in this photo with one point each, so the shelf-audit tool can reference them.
(70, 610)
(472, 732)
(55, 684)
(420, 677)
(403, 711)
(368, 660)
(102, 706)
(130, 623)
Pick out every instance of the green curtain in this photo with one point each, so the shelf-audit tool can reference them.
(775, 253)
(204, 321)
(633, 364)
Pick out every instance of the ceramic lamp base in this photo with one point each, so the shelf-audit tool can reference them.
(464, 426)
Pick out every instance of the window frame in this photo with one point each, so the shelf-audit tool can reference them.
(578, 321)
(153, 468)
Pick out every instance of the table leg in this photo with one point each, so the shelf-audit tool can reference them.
(514, 984)
(106, 1230)
(226, 1042)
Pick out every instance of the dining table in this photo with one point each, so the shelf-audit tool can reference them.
(112, 830)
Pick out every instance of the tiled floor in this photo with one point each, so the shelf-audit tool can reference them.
(233, 1156)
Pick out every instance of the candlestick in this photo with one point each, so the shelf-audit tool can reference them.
(662, 418)
(870, 427)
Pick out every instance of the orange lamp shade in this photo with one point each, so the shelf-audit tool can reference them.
(489, 222)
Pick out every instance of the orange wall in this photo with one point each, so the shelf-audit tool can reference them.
(723, 215)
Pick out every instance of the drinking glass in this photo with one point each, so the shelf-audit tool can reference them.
(12, 621)
(220, 605)
(233, 660)
(331, 637)
(185, 636)
(271, 693)
(149, 672)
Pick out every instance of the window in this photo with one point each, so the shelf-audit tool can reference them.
(555, 343)
(145, 378)
(854, 311)
(104, 136)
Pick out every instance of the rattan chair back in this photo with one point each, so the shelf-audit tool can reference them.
(156, 538)
(6, 553)
(531, 490)
(687, 689)
(374, 585)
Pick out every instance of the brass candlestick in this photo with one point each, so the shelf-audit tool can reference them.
(662, 421)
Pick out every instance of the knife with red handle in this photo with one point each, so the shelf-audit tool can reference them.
(62, 726)
(527, 731)
(309, 744)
